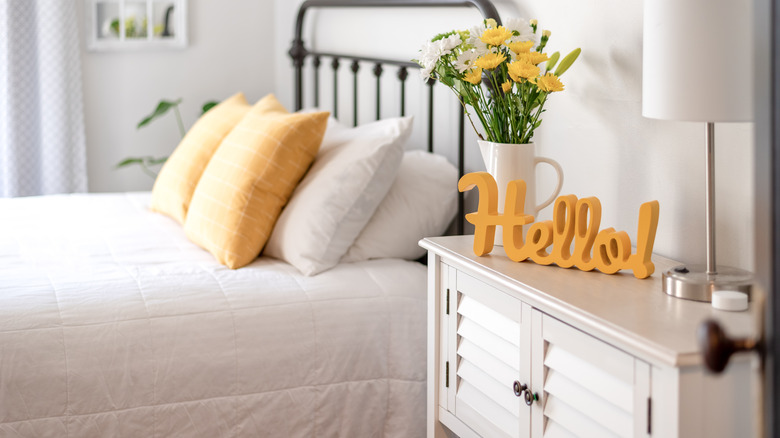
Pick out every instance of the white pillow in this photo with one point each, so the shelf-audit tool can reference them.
(352, 173)
(421, 203)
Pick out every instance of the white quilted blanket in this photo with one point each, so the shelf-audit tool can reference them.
(113, 324)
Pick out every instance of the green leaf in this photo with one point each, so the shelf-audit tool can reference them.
(443, 35)
(129, 161)
(209, 105)
(459, 88)
(143, 161)
(567, 61)
(161, 109)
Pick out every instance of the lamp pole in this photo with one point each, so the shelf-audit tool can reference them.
(709, 178)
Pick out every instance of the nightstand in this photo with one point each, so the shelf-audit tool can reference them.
(524, 350)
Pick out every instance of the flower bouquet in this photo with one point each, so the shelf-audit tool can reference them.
(511, 63)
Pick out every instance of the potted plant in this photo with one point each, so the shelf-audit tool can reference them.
(503, 77)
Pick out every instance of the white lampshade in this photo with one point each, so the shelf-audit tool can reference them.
(698, 60)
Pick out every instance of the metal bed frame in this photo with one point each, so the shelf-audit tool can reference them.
(298, 52)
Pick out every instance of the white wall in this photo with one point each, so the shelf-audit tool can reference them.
(595, 128)
(231, 46)
(607, 148)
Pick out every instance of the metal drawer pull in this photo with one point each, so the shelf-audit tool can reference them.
(521, 389)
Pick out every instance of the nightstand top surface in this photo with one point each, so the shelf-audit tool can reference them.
(631, 314)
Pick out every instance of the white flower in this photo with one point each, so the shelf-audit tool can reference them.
(425, 72)
(474, 34)
(432, 51)
(427, 59)
(427, 54)
(466, 60)
(450, 43)
(522, 27)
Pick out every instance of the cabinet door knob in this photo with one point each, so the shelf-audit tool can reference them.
(519, 388)
(530, 398)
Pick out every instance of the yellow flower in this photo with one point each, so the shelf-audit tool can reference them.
(490, 22)
(495, 37)
(521, 46)
(534, 58)
(549, 83)
(533, 22)
(506, 86)
(521, 70)
(473, 76)
(546, 33)
(489, 61)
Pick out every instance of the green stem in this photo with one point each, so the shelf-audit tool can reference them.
(483, 113)
(465, 110)
(497, 112)
(530, 98)
(178, 119)
(146, 169)
(530, 133)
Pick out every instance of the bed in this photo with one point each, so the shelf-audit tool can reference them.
(180, 345)
(114, 323)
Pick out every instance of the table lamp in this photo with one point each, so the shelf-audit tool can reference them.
(697, 67)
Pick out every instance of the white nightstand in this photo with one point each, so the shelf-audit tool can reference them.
(523, 350)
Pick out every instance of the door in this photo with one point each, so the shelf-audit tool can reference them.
(767, 199)
(489, 355)
(771, 277)
(586, 388)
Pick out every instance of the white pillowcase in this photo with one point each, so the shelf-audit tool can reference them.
(421, 203)
(352, 173)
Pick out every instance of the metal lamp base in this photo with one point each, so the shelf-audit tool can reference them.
(694, 283)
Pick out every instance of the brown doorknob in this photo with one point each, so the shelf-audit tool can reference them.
(717, 347)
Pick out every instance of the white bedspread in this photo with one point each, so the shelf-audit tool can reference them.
(113, 324)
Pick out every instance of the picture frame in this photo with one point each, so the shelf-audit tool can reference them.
(125, 25)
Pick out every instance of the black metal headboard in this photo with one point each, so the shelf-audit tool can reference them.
(298, 52)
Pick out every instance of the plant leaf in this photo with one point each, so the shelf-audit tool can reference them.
(129, 161)
(161, 109)
(209, 105)
(567, 61)
(144, 161)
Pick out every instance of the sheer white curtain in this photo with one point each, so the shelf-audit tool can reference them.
(42, 146)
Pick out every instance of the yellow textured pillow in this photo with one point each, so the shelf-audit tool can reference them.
(250, 178)
(180, 174)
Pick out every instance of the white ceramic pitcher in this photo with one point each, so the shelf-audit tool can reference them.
(507, 162)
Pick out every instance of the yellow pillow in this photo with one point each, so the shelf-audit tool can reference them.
(250, 178)
(180, 174)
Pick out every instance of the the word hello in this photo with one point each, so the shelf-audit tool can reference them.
(574, 220)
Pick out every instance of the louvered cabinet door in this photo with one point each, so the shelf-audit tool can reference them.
(587, 388)
(490, 346)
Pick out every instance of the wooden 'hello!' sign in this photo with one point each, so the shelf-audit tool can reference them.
(574, 220)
